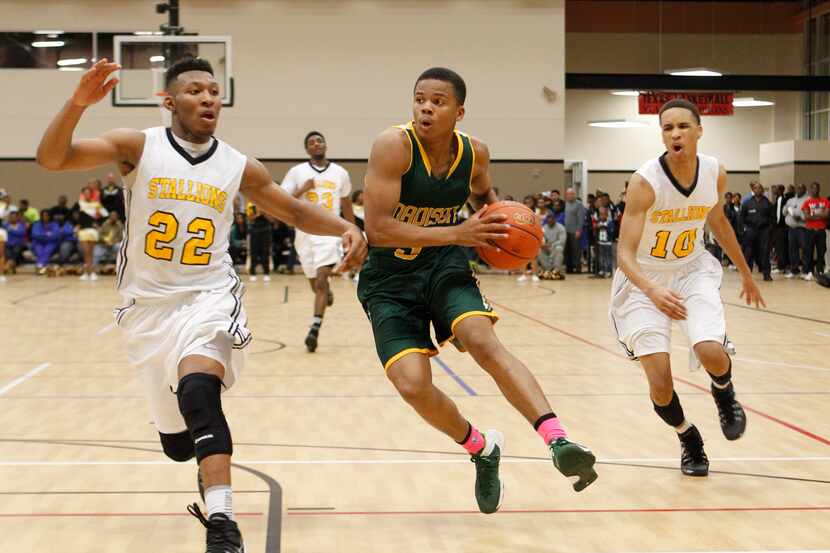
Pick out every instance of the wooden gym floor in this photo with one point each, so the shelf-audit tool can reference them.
(329, 459)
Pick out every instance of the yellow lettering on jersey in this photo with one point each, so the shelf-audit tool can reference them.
(164, 188)
(152, 189)
(426, 216)
(327, 184)
(679, 215)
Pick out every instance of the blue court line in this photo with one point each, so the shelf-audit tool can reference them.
(455, 377)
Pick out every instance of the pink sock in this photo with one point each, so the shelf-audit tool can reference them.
(551, 430)
(475, 441)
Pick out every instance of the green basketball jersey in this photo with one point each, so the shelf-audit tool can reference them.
(427, 201)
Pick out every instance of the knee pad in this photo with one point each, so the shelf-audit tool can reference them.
(672, 413)
(178, 447)
(201, 407)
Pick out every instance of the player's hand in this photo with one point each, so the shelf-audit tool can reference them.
(481, 229)
(355, 248)
(307, 185)
(94, 84)
(669, 302)
(750, 292)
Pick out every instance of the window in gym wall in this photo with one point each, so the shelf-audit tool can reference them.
(816, 121)
(56, 49)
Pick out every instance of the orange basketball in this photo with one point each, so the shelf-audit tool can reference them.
(524, 237)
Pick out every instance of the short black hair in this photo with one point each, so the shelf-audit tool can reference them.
(447, 76)
(680, 103)
(184, 65)
(309, 135)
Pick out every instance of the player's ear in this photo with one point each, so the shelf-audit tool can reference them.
(168, 102)
(699, 131)
(460, 114)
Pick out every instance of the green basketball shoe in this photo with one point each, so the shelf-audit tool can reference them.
(573, 459)
(489, 488)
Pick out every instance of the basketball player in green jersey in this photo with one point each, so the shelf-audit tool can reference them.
(419, 177)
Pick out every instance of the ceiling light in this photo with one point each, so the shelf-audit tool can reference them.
(617, 124)
(48, 43)
(694, 72)
(625, 92)
(70, 68)
(155, 59)
(48, 32)
(751, 103)
(147, 33)
(72, 61)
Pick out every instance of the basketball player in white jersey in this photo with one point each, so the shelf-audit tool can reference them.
(666, 274)
(328, 185)
(183, 317)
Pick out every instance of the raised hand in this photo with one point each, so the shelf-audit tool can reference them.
(94, 85)
(481, 229)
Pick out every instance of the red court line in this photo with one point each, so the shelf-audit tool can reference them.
(114, 515)
(560, 511)
(783, 423)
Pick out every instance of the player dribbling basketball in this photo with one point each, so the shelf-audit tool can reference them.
(419, 177)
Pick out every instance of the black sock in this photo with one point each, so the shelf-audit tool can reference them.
(672, 414)
(721, 382)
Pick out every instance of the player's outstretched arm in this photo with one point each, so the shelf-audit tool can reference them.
(388, 161)
(58, 152)
(639, 197)
(725, 236)
(260, 189)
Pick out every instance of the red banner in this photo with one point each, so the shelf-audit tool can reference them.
(709, 103)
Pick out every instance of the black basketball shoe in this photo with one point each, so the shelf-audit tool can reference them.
(222, 533)
(693, 460)
(311, 338)
(732, 416)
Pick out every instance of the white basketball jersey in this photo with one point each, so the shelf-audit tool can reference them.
(179, 216)
(673, 230)
(330, 184)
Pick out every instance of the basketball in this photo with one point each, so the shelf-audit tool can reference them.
(524, 237)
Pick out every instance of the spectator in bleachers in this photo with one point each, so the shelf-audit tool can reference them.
(555, 196)
(91, 192)
(5, 204)
(752, 185)
(357, 208)
(816, 210)
(3, 236)
(112, 197)
(60, 209)
(109, 240)
(780, 230)
(68, 245)
(574, 222)
(797, 235)
(259, 231)
(89, 211)
(45, 240)
(589, 239)
(239, 240)
(757, 217)
(559, 211)
(285, 257)
(551, 258)
(605, 233)
(16, 241)
(29, 213)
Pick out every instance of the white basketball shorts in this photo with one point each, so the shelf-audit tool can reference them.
(160, 334)
(642, 329)
(318, 251)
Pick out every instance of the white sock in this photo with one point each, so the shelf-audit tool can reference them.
(683, 427)
(219, 499)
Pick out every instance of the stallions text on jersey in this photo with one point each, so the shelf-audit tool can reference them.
(673, 229)
(179, 217)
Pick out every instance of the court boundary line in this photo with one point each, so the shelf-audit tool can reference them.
(21, 379)
(458, 380)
